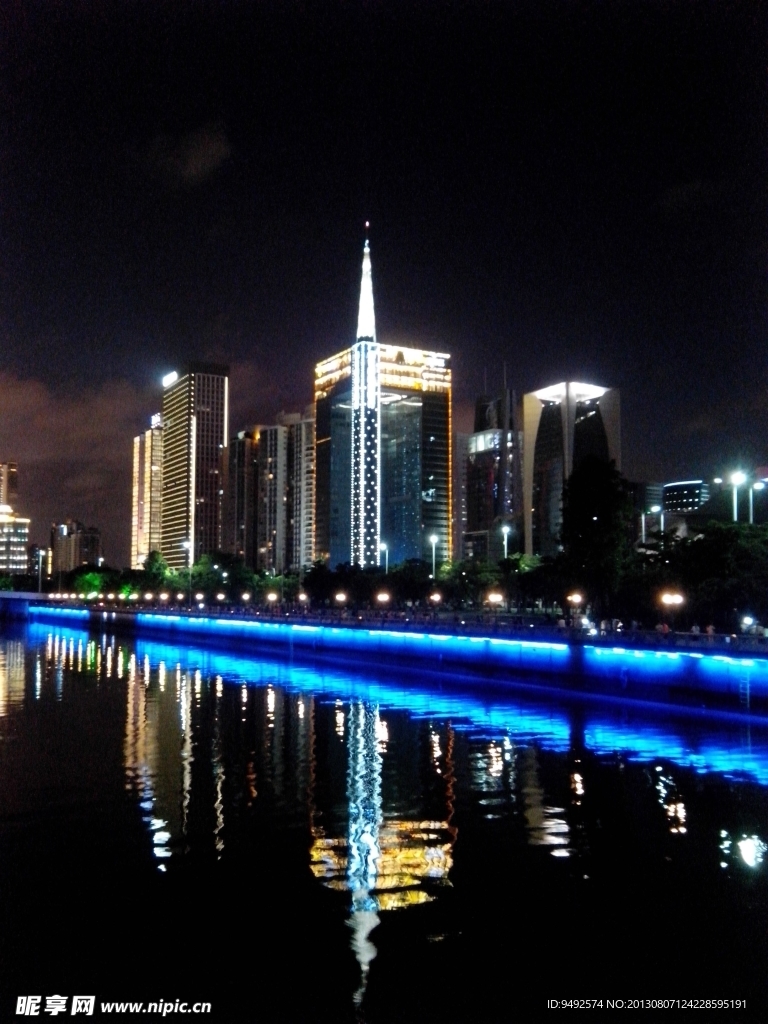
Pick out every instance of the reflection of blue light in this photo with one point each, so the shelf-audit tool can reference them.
(710, 744)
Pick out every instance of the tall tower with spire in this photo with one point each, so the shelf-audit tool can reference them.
(366, 428)
(382, 448)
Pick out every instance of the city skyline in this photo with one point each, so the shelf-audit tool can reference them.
(574, 191)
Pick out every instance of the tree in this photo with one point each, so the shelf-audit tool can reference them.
(597, 532)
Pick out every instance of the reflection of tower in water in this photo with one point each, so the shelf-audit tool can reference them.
(383, 862)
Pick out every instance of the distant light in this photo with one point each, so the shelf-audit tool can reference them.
(246, 597)
(110, 597)
(436, 598)
(341, 597)
(199, 597)
(92, 595)
(179, 597)
(748, 620)
(220, 597)
(671, 599)
(302, 597)
(575, 598)
(163, 597)
(738, 478)
(133, 597)
(759, 486)
(717, 480)
(752, 850)
(495, 598)
(271, 596)
(655, 508)
(433, 539)
(382, 597)
(505, 529)
(170, 378)
(148, 596)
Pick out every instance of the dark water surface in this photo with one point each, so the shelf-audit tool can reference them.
(310, 844)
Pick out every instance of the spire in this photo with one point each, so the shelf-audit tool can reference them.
(366, 323)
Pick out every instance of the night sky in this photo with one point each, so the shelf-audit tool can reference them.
(575, 189)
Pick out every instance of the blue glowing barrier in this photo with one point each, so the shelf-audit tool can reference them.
(57, 613)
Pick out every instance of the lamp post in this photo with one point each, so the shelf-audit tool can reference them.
(671, 601)
(757, 486)
(39, 570)
(433, 542)
(505, 530)
(737, 479)
(575, 602)
(188, 545)
(385, 549)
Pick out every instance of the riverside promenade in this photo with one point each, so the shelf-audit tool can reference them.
(699, 671)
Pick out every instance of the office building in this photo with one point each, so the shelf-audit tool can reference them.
(382, 448)
(147, 503)
(492, 482)
(74, 545)
(195, 438)
(9, 487)
(684, 496)
(300, 524)
(562, 425)
(14, 538)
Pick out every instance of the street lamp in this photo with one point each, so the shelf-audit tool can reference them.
(188, 545)
(737, 479)
(433, 542)
(574, 600)
(757, 486)
(385, 549)
(505, 530)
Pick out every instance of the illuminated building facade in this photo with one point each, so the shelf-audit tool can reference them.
(14, 538)
(382, 449)
(562, 425)
(492, 482)
(684, 496)
(74, 545)
(195, 439)
(147, 503)
(9, 488)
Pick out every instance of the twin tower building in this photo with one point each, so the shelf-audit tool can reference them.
(365, 475)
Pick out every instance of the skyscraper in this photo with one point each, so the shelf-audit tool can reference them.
(240, 497)
(147, 504)
(195, 437)
(562, 425)
(492, 481)
(383, 448)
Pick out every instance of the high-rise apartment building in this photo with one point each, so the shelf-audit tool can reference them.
(147, 504)
(272, 499)
(9, 486)
(14, 538)
(240, 487)
(562, 425)
(195, 438)
(382, 448)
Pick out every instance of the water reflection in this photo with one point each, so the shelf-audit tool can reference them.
(381, 778)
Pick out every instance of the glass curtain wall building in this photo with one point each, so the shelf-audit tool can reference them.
(562, 425)
(195, 438)
(382, 449)
(147, 499)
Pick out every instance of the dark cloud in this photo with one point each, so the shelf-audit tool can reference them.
(74, 455)
(190, 159)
